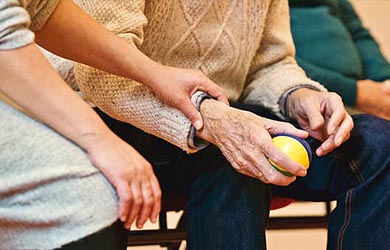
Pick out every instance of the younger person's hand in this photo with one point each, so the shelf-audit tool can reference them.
(175, 86)
(130, 174)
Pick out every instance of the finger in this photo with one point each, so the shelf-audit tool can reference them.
(315, 118)
(249, 173)
(259, 167)
(190, 111)
(278, 158)
(287, 128)
(327, 146)
(245, 161)
(156, 190)
(136, 204)
(125, 200)
(344, 131)
(336, 119)
(273, 176)
(214, 90)
(148, 200)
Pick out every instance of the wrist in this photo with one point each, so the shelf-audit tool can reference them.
(291, 98)
(151, 73)
(194, 140)
(91, 139)
(214, 114)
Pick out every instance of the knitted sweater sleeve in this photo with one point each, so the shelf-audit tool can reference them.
(274, 69)
(121, 98)
(14, 23)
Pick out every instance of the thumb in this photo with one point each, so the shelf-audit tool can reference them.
(190, 111)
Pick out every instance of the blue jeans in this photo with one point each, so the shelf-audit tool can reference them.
(357, 175)
(229, 211)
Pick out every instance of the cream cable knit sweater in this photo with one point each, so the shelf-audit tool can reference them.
(244, 46)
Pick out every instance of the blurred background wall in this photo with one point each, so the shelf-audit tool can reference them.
(375, 16)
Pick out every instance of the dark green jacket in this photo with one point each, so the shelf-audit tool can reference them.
(334, 48)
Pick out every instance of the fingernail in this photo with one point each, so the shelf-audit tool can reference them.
(302, 172)
(198, 125)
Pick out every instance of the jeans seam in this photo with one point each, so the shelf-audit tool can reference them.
(352, 165)
(348, 208)
(356, 171)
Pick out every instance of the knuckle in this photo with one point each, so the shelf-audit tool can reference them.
(127, 197)
(271, 178)
(335, 96)
(148, 200)
(158, 195)
(137, 200)
(241, 162)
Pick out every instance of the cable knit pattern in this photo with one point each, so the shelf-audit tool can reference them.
(244, 46)
(15, 22)
(40, 12)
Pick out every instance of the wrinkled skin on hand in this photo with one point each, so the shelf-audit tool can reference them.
(245, 139)
(322, 115)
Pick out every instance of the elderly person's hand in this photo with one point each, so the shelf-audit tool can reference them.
(245, 139)
(323, 115)
(374, 98)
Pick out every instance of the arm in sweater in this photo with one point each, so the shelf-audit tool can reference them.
(122, 98)
(14, 23)
(376, 67)
(99, 48)
(28, 79)
(274, 69)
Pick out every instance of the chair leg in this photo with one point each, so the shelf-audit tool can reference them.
(180, 225)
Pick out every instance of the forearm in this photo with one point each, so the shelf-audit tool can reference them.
(131, 102)
(28, 79)
(274, 69)
(267, 86)
(95, 46)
